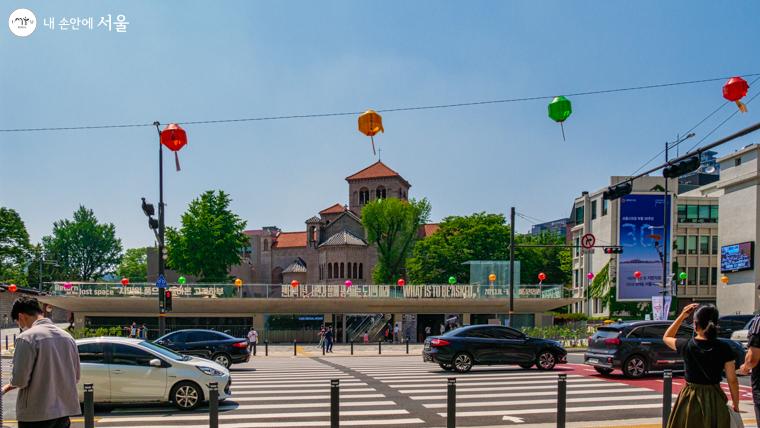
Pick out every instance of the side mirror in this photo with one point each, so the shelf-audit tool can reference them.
(155, 362)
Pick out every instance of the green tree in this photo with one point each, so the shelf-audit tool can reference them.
(459, 239)
(14, 247)
(84, 249)
(210, 239)
(392, 225)
(553, 261)
(134, 265)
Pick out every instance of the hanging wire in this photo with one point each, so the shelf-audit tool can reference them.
(387, 110)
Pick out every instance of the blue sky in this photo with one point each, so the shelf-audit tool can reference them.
(197, 60)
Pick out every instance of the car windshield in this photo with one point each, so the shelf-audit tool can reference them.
(607, 333)
(168, 353)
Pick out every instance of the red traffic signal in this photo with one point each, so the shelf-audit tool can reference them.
(167, 301)
(613, 250)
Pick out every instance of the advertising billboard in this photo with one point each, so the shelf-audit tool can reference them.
(737, 257)
(644, 228)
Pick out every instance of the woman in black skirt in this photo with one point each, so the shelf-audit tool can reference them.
(702, 402)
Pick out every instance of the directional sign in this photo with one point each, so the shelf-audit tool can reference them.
(161, 282)
(588, 240)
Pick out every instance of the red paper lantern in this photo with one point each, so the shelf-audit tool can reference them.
(734, 90)
(294, 283)
(125, 281)
(174, 138)
(541, 276)
(637, 274)
(12, 288)
(401, 282)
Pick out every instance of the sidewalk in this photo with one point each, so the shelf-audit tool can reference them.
(339, 350)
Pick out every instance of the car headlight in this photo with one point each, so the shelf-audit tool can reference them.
(210, 371)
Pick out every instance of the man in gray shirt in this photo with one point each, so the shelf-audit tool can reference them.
(45, 369)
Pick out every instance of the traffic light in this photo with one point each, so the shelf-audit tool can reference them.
(167, 301)
(684, 167)
(152, 223)
(148, 208)
(617, 191)
(613, 250)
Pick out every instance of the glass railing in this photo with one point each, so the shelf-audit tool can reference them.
(309, 291)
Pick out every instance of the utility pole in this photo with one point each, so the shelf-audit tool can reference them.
(665, 236)
(161, 314)
(511, 266)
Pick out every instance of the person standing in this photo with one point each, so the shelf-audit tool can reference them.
(395, 333)
(329, 339)
(143, 332)
(253, 338)
(428, 330)
(751, 360)
(702, 402)
(133, 330)
(45, 369)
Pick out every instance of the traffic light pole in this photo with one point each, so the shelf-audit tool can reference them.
(161, 317)
(665, 235)
(511, 265)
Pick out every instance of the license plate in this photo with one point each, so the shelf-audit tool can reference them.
(593, 361)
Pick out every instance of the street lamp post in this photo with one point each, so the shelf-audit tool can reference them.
(161, 261)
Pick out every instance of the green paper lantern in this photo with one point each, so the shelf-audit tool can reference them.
(559, 110)
(452, 280)
(683, 276)
(182, 280)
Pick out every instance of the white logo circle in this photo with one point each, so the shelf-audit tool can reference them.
(22, 22)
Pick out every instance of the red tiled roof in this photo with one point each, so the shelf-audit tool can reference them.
(290, 240)
(376, 170)
(256, 232)
(428, 229)
(335, 209)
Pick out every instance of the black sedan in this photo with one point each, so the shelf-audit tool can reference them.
(486, 344)
(211, 345)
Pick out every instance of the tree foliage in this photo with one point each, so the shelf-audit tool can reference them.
(210, 239)
(392, 225)
(14, 247)
(83, 249)
(478, 236)
(483, 236)
(134, 265)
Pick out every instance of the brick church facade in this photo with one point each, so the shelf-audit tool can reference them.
(333, 247)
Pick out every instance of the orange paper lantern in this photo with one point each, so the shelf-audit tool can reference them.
(370, 123)
(238, 282)
(294, 283)
(12, 288)
(174, 138)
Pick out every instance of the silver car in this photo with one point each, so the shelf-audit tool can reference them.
(137, 371)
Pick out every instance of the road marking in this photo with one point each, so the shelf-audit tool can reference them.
(542, 401)
(228, 416)
(270, 424)
(289, 393)
(554, 410)
(306, 397)
(623, 389)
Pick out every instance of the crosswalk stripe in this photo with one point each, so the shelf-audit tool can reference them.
(462, 379)
(234, 416)
(307, 397)
(270, 424)
(443, 383)
(534, 385)
(236, 391)
(470, 375)
(622, 389)
(294, 382)
(543, 401)
(323, 404)
(290, 386)
(553, 410)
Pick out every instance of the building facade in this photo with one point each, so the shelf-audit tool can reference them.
(558, 227)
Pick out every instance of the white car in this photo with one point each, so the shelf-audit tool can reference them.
(741, 336)
(137, 371)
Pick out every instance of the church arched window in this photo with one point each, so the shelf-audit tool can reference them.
(363, 196)
(380, 192)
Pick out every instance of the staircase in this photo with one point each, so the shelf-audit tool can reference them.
(372, 323)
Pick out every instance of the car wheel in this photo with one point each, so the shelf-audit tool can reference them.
(445, 366)
(526, 366)
(603, 370)
(223, 360)
(462, 362)
(546, 360)
(635, 367)
(186, 395)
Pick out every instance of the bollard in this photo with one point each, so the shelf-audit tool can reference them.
(334, 403)
(266, 348)
(407, 344)
(14, 339)
(6, 342)
(294, 348)
(89, 406)
(561, 400)
(254, 349)
(324, 345)
(352, 347)
(667, 395)
(451, 403)
(379, 347)
(213, 405)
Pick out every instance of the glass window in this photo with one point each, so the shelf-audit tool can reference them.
(126, 355)
(692, 213)
(680, 245)
(704, 245)
(703, 276)
(176, 337)
(653, 331)
(578, 215)
(636, 333)
(577, 247)
(163, 351)
(506, 333)
(91, 353)
(605, 206)
(714, 276)
(692, 273)
(480, 333)
(704, 213)
(681, 213)
(593, 210)
(713, 213)
(715, 245)
(691, 244)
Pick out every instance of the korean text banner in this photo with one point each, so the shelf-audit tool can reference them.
(642, 235)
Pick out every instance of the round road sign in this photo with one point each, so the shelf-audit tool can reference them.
(587, 241)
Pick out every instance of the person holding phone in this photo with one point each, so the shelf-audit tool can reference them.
(702, 402)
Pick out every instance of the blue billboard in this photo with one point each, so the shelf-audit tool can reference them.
(644, 230)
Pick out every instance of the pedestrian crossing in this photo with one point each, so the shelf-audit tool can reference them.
(280, 393)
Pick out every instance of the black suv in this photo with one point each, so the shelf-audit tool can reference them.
(211, 345)
(730, 323)
(486, 344)
(637, 347)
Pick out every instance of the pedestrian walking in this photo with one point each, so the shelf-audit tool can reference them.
(322, 332)
(143, 332)
(702, 402)
(366, 337)
(45, 369)
(133, 330)
(329, 339)
(751, 360)
(253, 338)
(71, 321)
(395, 333)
